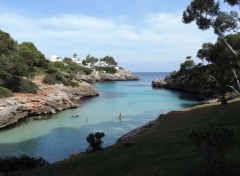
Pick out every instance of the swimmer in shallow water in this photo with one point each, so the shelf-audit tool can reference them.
(120, 116)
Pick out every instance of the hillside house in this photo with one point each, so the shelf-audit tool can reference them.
(55, 58)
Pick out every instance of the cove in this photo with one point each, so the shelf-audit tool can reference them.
(56, 138)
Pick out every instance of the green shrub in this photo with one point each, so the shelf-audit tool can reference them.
(173, 74)
(50, 79)
(19, 84)
(4, 92)
(107, 69)
(27, 86)
(213, 142)
(87, 71)
(58, 78)
(95, 141)
(67, 82)
(4, 78)
(14, 164)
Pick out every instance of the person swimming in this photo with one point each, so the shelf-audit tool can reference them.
(120, 116)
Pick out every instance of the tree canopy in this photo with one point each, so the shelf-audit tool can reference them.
(109, 60)
(207, 14)
(91, 59)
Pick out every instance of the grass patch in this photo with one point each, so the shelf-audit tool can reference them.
(165, 150)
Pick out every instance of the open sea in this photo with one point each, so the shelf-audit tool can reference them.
(56, 138)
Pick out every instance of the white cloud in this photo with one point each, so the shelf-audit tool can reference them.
(154, 39)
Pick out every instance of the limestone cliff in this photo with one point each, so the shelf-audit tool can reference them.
(182, 83)
(97, 76)
(49, 99)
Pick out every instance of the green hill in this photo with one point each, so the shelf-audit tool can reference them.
(165, 150)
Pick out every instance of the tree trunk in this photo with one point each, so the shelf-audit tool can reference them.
(222, 37)
(236, 77)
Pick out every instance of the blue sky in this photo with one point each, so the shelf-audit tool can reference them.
(142, 35)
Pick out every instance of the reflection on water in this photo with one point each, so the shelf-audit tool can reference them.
(55, 139)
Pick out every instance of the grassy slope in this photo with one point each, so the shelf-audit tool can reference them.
(165, 150)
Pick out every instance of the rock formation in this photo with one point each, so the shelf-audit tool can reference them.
(97, 76)
(49, 99)
(182, 83)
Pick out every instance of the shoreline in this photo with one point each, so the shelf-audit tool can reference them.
(155, 145)
(52, 99)
(129, 136)
(147, 126)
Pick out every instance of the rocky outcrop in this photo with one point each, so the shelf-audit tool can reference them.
(97, 76)
(159, 82)
(182, 83)
(49, 99)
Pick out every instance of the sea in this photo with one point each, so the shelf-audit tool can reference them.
(56, 138)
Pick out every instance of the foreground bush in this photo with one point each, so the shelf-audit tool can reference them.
(4, 92)
(95, 141)
(14, 164)
(213, 142)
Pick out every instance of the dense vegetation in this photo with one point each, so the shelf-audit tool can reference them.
(21, 62)
(109, 60)
(106, 69)
(222, 72)
(19, 164)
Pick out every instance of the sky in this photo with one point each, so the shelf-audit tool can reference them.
(142, 35)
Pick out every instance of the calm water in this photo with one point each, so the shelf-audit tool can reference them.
(55, 139)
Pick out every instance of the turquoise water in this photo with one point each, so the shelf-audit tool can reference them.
(55, 139)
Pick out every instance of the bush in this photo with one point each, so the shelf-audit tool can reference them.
(4, 78)
(19, 84)
(54, 78)
(50, 79)
(107, 69)
(27, 86)
(213, 142)
(13, 163)
(173, 74)
(58, 78)
(67, 82)
(95, 141)
(4, 92)
(87, 71)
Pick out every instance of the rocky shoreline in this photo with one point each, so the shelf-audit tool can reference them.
(99, 76)
(181, 83)
(48, 100)
(53, 98)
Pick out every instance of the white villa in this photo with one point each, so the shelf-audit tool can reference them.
(55, 58)
(79, 61)
(101, 64)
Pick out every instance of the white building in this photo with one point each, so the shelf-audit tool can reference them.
(55, 58)
(101, 64)
(77, 60)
